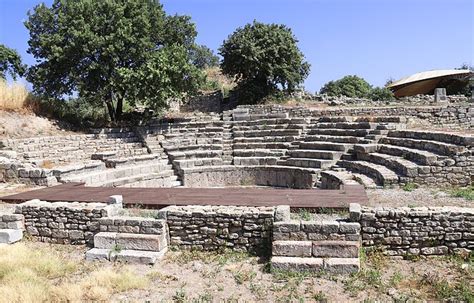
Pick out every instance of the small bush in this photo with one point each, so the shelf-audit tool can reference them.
(465, 192)
(381, 94)
(410, 186)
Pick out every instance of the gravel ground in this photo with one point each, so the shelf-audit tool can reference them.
(419, 197)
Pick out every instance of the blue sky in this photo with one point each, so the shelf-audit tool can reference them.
(375, 39)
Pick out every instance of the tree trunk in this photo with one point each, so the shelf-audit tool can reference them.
(119, 109)
(111, 109)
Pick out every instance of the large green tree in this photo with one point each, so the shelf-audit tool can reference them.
(263, 58)
(112, 52)
(10, 63)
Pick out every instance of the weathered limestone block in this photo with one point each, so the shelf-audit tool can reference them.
(292, 248)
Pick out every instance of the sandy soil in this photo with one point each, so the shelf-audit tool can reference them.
(25, 125)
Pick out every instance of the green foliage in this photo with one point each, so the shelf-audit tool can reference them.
(381, 94)
(77, 112)
(111, 52)
(464, 192)
(350, 86)
(10, 62)
(263, 58)
(410, 186)
(203, 57)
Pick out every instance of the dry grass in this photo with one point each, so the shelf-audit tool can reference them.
(47, 274)
(13, 96)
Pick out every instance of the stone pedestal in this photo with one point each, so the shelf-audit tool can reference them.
(440, 95)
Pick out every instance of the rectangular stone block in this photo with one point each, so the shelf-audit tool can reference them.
(336, 249)
(105, 240)
(287, 226)
(296, 264)
(141, 242)
(292, 248)
(10, 236)
(341, 265)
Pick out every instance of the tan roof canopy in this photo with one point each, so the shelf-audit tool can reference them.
(426, 82)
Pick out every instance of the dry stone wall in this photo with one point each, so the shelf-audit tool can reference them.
(217, 227)
(417, 231)
(64, 222)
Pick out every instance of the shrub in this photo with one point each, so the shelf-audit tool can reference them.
(381, 94)
(349, 86)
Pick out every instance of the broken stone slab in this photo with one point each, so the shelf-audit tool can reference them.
(297, 264)
(10, 236)
(292, 248)
(128, 256)
(335, 249)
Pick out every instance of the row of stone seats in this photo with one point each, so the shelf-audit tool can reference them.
(194, 144)
(65, 149)
(326, 141)
(414, 156)
(265, 139)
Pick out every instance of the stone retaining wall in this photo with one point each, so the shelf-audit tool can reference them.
(278, 176)
(455, 115)
(217, 227)
(64, 222)
(417, 231)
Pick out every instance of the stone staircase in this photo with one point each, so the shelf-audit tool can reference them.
(130, 239)
(324, 244)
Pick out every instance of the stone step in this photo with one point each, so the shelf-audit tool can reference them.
(302, 264)
(82, 168)
(128, 241)
(117, 173)
(418, 156)
(381, 174)
(316, 154)
(251, 161)
(126, 256)
(339, 132)
(256, 127)
(179, 146)
(194, 154)
(332, 119)
(259, 152)
(366, 181)
(335, 249)
(399, 165)
(287, 121)
(167, 175)
(345, 125)
(325, 146)
(9, 236)
(331, 179)
(262, 145)
(190, 163)
(267, 139)
(334, 139)
(308, 162)
(265, 133)
(454, 139)
(436, 147)
(141, 159)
